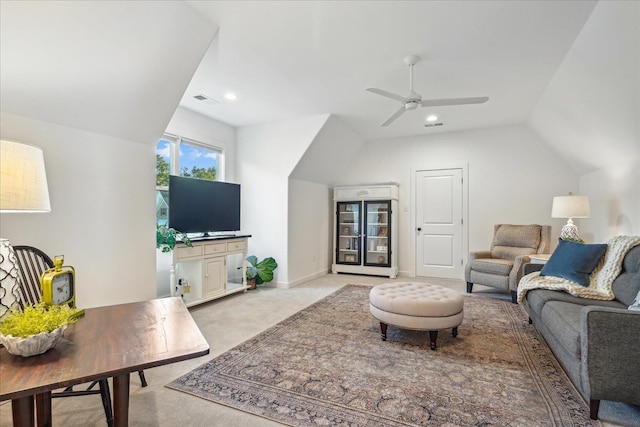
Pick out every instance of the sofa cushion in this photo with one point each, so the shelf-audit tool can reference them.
(563, 320)
(537, 298)
(627, 284)
(574, 261)
(513, 240)
(501, 267)
(509, 252)
(520, 236)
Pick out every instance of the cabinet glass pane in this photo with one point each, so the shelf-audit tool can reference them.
(377, 223)
(348, 233)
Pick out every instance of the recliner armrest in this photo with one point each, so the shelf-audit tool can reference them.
(610, 349)
(474, 255)
(479, 255)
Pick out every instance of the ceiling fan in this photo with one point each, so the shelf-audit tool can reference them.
(414, 100)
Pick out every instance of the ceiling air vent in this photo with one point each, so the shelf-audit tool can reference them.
(206, 98)
(428, 125)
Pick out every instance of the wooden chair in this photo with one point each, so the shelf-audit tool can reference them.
(32, 262)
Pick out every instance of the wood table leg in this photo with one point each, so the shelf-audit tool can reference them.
(43, 409)
(22, 409)
(121, 400)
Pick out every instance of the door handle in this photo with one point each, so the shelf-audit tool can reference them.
(419, 229)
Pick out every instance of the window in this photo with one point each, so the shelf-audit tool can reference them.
(184, 157)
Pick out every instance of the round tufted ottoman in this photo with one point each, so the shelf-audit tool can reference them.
(420, 306)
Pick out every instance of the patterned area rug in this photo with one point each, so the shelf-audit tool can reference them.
(327, 366)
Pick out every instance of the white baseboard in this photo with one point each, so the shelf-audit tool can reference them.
(298, 282)
(405, 274)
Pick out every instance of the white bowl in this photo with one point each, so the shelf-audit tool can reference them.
(33, 345)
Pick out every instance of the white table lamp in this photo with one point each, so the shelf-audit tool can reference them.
(570, 207)
(23, 188)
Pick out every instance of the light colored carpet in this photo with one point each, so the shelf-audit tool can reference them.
(226, 323)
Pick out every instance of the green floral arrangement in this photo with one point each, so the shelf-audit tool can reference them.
(166, 238)
(36, 319)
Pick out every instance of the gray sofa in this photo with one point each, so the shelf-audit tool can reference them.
(596, 342)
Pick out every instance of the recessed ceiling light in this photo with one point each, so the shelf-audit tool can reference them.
(230, 96)
(432, 118)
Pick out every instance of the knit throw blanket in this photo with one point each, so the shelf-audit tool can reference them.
(600, 280)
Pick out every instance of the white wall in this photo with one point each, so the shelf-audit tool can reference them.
(590, 114)
(103, 216)
(310, 228)
(266, 156)
(513, 176)
(614, 198)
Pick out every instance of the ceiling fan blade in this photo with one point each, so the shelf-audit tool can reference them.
(453, 101)
(394, 116)
(386, 94)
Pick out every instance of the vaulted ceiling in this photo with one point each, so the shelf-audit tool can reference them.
(569, 69)
(294, 59)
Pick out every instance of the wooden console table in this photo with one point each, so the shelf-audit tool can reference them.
(110, 341)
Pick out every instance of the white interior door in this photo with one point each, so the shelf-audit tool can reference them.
(439, 230)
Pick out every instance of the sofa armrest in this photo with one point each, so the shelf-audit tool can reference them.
(610, 349)
(531, 268)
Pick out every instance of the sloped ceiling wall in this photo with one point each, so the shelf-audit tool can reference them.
(332, 151)
(590, 112)
(59, 61)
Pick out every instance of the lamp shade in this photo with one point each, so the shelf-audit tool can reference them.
(23, 181)
(570, 207)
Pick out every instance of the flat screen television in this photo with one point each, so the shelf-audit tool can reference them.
(202, 206)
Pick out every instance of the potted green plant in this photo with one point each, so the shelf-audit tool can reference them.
(259, 272)
(35, 329)
(166, 238)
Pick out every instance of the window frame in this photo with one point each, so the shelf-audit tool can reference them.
(175, 141)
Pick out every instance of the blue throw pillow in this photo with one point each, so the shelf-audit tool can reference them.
(574, 261)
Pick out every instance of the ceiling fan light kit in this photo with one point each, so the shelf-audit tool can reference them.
(414, 100)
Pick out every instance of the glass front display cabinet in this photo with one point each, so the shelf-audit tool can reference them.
(364, 230)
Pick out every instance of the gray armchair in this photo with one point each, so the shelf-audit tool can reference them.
(501, 266)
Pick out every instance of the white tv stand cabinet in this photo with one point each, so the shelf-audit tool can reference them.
(205, 267)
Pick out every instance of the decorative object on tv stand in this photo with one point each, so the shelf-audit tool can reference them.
(166, 238)
(23, 188)
(570, 207)
(260, 272)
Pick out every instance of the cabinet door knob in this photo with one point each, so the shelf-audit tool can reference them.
(419, 229)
